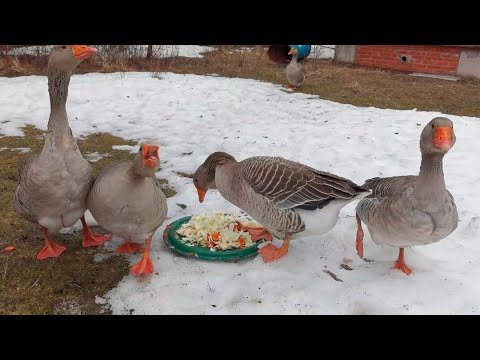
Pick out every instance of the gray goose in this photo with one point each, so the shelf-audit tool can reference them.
(412, 210)
(54, 184)
(286, 197)
(295, 70)
(126, 199)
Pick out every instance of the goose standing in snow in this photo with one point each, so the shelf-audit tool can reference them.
(286, 197)
(411, 210)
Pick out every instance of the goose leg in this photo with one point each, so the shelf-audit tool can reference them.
(359, 241)
(271, 253)
(128, 247)
(400, 263)
(144, 266)
(91, 239)
(51, 249)
(259, 233)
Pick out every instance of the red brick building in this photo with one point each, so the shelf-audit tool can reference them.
(460, 60)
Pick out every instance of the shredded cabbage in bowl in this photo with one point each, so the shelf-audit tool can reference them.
(217, 231)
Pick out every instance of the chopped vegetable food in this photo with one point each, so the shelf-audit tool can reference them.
(217, 231)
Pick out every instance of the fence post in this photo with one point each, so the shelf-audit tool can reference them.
(149, 52)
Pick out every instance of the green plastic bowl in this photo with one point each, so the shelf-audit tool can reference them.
(174, 242)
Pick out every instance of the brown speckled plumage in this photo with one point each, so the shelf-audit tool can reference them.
(278, 193)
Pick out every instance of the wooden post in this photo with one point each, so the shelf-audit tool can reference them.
(149, 52)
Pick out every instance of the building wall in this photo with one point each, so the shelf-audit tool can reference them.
(469, 63)
(412, 58)
(345, 54)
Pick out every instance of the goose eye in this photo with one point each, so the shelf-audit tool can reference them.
(433, 126)
(64, 46)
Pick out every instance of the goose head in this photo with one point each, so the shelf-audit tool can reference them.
(67, 57)
(204, 177)
(438, 136)
(146, 162)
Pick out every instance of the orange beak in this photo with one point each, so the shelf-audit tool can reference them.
(82, 51)
(150, 155)
(443, 138)
(291, 51)
(201, 194)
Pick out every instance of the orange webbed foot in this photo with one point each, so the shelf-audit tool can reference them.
(91, 239)
(402, 267)
(259, 233)
(51, 249)
(271, 253)
(128, 247)
(144, 266)
(400, 263)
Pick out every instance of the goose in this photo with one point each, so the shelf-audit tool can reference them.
(295, 70)
(284, 196)
(54, 184)
(126, 199)
(405, 211)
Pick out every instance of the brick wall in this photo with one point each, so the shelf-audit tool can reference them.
(416, 58)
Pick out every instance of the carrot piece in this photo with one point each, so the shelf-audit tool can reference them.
(209, 241)
(9, 248)
(242, 242)
(215, 236)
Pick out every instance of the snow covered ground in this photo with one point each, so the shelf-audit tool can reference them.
(203, 114)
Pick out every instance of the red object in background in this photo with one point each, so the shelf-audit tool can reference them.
(279, 54)
(435, 59)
